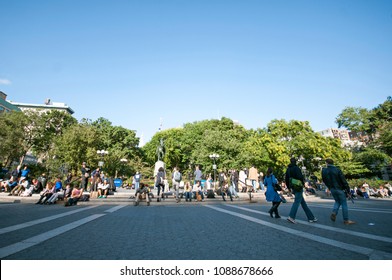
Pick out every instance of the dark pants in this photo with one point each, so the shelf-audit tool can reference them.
(71, 201)
(228, 193)
(274, 208)
(44, 198)
(159, 186)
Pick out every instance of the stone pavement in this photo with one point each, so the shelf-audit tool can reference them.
(114, 229)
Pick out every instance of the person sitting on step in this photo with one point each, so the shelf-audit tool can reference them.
(103, 189)
(142, 190)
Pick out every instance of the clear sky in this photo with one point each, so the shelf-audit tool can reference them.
(135, 62)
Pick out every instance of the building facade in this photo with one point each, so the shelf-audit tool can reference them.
(6, 106)
(342, 134)
(47, 106)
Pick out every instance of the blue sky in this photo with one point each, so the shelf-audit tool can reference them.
(135, 62)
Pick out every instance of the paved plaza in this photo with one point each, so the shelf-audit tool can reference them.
(210, 230)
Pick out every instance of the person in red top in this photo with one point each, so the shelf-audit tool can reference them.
(75, 196)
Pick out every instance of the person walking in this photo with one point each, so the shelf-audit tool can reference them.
(271, 194)
(242, 180)
(336, 182)
(176, 179)
(234, 183)
(295, 182)
(137, 179)
(198, 174)
(160, 183)
(254, 177)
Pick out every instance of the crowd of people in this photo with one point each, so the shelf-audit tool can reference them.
(21, 183)
(94, 184)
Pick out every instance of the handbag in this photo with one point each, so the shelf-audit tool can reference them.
(296, 184)
(277, 187)
(93, 194)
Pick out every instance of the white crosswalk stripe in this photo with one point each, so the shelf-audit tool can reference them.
(369, 252)
(35, 240)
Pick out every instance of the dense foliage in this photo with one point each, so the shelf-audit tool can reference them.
(61, 144)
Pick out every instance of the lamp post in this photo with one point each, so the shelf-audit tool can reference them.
(102, 153)
(214, 157)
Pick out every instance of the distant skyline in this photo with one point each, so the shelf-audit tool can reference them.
(137, 62)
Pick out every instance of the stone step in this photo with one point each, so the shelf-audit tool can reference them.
(125, 196)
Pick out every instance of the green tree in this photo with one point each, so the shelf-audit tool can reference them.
(75, 145)
(377, 125)
(283, 139)
(119, 142)
(192, 144)
(11, 137)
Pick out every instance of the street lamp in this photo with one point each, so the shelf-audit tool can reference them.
(102, 153)
(214, 157)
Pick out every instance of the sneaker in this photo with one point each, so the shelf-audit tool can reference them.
(148, 203)
(348, 222)
(291, 220)
(333, 217)
(313, 221)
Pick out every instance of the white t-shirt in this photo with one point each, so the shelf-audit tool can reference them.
(103, 186)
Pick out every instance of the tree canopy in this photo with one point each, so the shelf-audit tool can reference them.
(61, 143)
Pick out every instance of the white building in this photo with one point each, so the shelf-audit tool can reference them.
(342, 134)
(47, 106)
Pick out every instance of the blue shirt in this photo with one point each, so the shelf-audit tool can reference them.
(25, 173)
(58, 186)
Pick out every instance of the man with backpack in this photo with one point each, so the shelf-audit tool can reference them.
(137, 178)
(176, 178)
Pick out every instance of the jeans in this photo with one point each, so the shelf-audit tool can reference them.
(340, 200)
(232, 190)
(160, 187)
(188, 196)
(228, 193)
(299, 200)
(254, 184)
(176, 186)
(137, 185)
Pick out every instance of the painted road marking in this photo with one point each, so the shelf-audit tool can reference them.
(345, 231)
(44, 220)
(27, 243)
(114, 209)
(371, 253)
